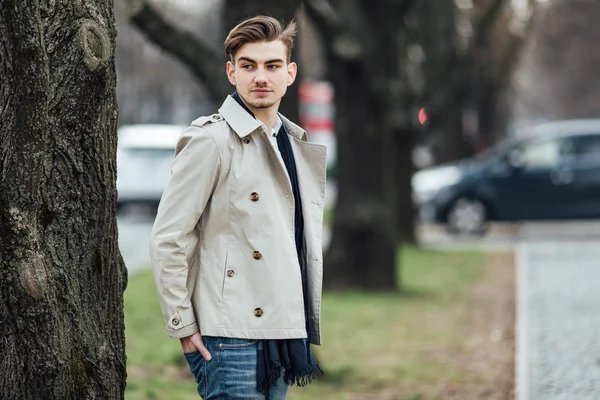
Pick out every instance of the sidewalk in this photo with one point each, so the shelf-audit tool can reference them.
(558, 320)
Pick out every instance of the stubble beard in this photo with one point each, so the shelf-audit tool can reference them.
(262, 104)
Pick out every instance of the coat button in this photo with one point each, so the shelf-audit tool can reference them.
(246, 140)
(258, 312)
(254, 196)
(230, 273)
(256, 255)
(175, 321)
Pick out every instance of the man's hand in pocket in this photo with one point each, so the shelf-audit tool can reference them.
(194, 342)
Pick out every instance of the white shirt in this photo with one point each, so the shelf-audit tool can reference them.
(273, 140)
(274, 132)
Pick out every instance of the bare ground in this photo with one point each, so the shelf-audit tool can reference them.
(484, 354)
(487, 353)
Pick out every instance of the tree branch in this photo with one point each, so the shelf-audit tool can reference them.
(403, 8)
(515, 47)
(202, 61)
(460, 70)
(325, 18)
(484, 24)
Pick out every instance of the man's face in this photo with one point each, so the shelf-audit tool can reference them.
(261, 74)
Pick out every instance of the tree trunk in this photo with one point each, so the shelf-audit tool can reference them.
(61, 273)
(449, 142)
(404, 167)
(362, 253)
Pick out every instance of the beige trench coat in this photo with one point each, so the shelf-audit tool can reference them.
(222, 246)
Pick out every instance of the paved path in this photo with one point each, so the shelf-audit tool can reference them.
(134, 236)
(558, 326)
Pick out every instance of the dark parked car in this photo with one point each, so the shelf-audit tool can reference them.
(552, 174)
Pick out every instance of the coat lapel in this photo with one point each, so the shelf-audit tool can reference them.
(311, 165)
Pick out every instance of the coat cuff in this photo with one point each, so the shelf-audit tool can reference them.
(182, 324)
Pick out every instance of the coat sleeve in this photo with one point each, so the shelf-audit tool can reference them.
(194, 175)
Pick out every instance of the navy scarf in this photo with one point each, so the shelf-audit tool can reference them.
(293, 355)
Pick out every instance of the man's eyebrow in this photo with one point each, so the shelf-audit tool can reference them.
(246, 59)
(275, 60)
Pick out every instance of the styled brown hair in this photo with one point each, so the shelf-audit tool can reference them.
(261, 28)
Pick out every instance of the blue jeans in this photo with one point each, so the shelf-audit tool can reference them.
(231, 373)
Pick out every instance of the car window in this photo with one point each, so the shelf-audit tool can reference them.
(149, 158)
(149, 152)
(542, 154)
(587, 148)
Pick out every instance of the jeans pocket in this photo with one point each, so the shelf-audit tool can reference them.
(230, 343)
(198, 369)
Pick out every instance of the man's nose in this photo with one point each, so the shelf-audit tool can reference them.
(261, 76)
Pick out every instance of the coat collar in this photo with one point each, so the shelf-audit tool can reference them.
(244, 124)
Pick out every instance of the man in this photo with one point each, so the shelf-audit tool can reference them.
(236, 247)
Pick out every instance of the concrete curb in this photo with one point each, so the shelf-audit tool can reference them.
(521, 331)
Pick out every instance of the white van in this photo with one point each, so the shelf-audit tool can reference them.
(144, 156)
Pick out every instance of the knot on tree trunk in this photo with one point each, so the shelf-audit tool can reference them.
(33, 275)
(97, 48)
(27, 260)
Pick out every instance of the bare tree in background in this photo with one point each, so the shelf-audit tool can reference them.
(61, 273)
(558, 78)
(370, 223)
(385, 60)
(469, 70)
(205, 59)
(154, 87)
(363, 44)
(371, 236)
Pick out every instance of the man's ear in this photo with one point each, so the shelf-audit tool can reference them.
(292, 69)
(230, 68)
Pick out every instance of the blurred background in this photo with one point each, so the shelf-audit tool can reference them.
(456, 130)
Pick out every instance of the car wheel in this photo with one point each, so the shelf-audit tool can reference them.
(467, 217)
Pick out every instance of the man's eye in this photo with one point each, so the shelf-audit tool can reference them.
(273, 66)
(247, 66)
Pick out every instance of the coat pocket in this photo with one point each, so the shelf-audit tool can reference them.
(225, 264)
(232, 275)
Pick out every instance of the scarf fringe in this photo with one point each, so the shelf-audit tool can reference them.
(275, 374)
(303, 377)
(272, 377)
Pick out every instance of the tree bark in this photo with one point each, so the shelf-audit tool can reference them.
(61, 273)
(369, 102)
(450, 144)
(362, 252)
(404, 142)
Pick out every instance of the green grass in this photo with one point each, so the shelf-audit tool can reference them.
(328, 216)
(373, 343)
